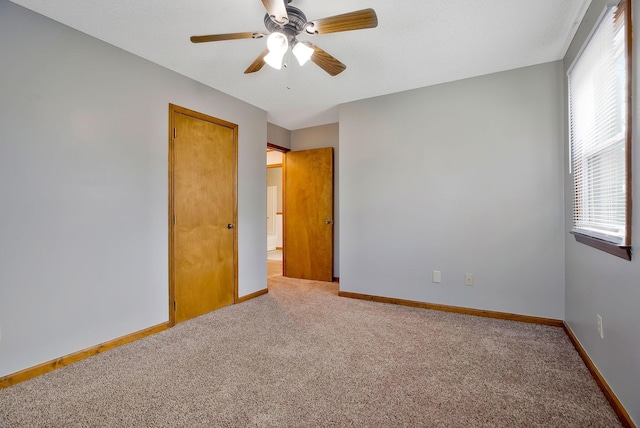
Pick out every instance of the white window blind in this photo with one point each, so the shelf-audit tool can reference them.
(598, 130)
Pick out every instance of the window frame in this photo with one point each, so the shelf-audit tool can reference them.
(623, 250)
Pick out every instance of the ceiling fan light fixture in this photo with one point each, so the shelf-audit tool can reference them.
(302, 52)
(284, 23)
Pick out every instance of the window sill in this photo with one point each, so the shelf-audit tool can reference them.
(622, 251)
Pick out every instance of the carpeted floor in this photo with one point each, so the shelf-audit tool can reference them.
(300, 356)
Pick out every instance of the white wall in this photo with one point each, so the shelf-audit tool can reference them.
(464, 177)
(83, 184)
(598, 283)
(318, 137)
(274, 178)
(274, 157)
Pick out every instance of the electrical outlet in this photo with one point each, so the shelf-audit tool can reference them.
(437, 276)
(468, 279)
(600, 330)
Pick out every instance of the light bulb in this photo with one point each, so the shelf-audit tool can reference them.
(277, 42)
(303, 52)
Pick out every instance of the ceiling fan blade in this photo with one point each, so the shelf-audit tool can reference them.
(358, 20)
(257, 64)
(230, 36)
(327, 62)
(277, 9)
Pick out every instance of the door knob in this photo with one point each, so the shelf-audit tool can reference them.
(230, 226)
(328, 222)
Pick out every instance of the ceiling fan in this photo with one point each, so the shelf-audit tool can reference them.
(284, 23)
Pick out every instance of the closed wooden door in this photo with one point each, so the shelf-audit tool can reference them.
(203, 186)
(308, 214)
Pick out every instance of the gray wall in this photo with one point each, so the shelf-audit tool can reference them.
(464, 177)
(598, 283)
(278, 135)
(314, 138)
(83, 184)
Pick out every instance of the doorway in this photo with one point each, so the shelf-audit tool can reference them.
(306, 213)
(202, 214)
(275, 213)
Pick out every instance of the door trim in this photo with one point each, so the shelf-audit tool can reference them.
(275, 147)
(173, 109)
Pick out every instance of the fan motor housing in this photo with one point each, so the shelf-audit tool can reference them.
(297, 22)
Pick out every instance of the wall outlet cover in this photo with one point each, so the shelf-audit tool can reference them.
(468, 279)
(437, 276)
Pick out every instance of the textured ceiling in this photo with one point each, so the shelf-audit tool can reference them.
(417, 43)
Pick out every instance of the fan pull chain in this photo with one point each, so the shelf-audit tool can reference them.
(288, 70)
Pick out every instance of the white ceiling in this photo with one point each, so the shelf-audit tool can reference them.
(417, 43)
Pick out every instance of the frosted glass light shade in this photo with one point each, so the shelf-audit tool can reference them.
(274, 59)
(303, 52)
(277, 43)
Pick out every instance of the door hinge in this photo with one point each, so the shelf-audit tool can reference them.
(174, 306)
(174, 133)
(174, 219)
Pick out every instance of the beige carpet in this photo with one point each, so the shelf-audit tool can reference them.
(301, 356)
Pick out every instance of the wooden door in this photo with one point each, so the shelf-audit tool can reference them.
(203, 212)
(308, 214)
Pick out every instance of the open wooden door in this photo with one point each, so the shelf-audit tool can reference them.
(308, 214)
(203, 212)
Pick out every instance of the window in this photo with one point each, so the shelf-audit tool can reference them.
(600, 135)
